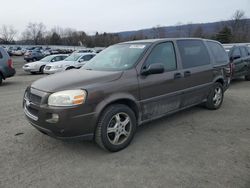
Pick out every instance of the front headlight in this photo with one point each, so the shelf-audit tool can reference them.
(67, 98)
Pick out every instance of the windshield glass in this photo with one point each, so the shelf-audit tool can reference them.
(47, 59)
(117, 57)
(73, 57)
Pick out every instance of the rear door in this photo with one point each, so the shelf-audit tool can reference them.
(196, 70)
(245, 59)
(220, 61)
(239, 64)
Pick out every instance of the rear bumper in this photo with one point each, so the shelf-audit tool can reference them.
(8, 72)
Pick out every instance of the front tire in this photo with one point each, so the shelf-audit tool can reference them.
(116, 128)
(41, 69)
(216, 96)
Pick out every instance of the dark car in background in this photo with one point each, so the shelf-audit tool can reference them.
(126, 85)
(240, 61)
(33, 55)
(6, 65)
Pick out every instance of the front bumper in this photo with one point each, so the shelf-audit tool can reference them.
(8, 72)
(73, 122)
(30, 69)
(52, 71)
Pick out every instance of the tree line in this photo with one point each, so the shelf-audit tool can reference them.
(237, 29)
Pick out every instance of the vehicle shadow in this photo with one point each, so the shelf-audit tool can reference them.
(237, 81)
(163, 124)
(8, 83)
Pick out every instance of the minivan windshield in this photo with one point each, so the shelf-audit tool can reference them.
(117, 57)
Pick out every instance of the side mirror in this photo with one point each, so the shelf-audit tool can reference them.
(81, 60)
(235, 57)
(156, 68)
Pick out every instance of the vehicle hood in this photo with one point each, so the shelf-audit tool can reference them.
(75, 79)
(34, 64)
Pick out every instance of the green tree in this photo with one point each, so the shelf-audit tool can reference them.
(55, 39)
(225, 35)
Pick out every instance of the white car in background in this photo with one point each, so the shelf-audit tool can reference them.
(74, 61)
(38, 66)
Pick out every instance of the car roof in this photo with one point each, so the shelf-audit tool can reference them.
(54, 55)
(159, 40)
(85, 53)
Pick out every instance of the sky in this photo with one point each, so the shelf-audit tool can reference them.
(116, 15)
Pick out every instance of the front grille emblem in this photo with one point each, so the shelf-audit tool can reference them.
(27, 103)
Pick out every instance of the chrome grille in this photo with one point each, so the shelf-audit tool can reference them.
(32, 97)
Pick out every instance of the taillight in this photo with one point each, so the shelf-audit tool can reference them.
(10, 63)
(229, 69)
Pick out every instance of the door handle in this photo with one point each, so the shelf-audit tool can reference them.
(187, 73)
(177, 75)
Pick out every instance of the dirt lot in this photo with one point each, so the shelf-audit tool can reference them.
(194, 148)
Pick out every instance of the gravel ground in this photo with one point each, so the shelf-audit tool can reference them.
(193, 148)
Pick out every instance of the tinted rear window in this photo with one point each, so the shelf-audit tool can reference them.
(193, 53)
(218, 52)
(244, 51)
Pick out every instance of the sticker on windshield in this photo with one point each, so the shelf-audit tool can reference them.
(138, 46)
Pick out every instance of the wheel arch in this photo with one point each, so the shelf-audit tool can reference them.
(219, 80)
(1, 74)
(119, 99)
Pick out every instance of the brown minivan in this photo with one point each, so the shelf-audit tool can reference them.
(126, 85)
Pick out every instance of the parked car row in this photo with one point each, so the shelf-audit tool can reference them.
(38, 66)
(20, 51)
(58, 63)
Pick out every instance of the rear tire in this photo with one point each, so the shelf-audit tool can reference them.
(116, 128)
(215, 97)
(69, 68)
(247, 77)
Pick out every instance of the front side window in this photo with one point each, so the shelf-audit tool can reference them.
(164, 54)
(218, 52)
(193, 53)
(87, 57)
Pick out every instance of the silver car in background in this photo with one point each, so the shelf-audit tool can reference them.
(38, 66)
(74, 61)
